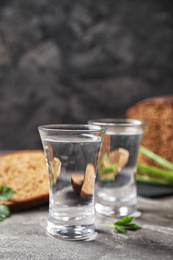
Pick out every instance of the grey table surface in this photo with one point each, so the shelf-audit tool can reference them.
(23, 236)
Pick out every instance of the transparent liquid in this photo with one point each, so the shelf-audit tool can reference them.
(70, 215)
(118, 197)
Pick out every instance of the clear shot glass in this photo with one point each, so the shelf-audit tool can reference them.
(71, 154)
(115, 192)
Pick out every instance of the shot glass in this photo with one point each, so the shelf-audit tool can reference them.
(71, 154)
(115, 192)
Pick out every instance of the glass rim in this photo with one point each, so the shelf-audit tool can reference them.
(76, 128)
(117, 122)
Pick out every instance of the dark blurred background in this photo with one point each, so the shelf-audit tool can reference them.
(66, 61)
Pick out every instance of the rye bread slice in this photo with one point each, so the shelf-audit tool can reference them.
(88, 183)
(26, 173)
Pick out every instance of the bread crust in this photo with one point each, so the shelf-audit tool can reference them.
(77, 182)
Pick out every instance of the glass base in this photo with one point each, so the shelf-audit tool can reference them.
(71, 232)
(115, 212)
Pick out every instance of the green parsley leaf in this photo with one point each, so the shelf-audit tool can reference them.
(6, 193)
(120, 229)
(124, 224)
(132, 226)
(125, 220)
(4, 212)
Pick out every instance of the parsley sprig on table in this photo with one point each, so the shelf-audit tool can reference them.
(5, 195)
(125, 224)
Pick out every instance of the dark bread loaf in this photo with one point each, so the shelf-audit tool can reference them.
(157, 112)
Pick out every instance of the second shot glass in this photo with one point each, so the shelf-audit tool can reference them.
(115, 185)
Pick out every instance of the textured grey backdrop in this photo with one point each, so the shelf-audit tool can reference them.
(66, 61)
